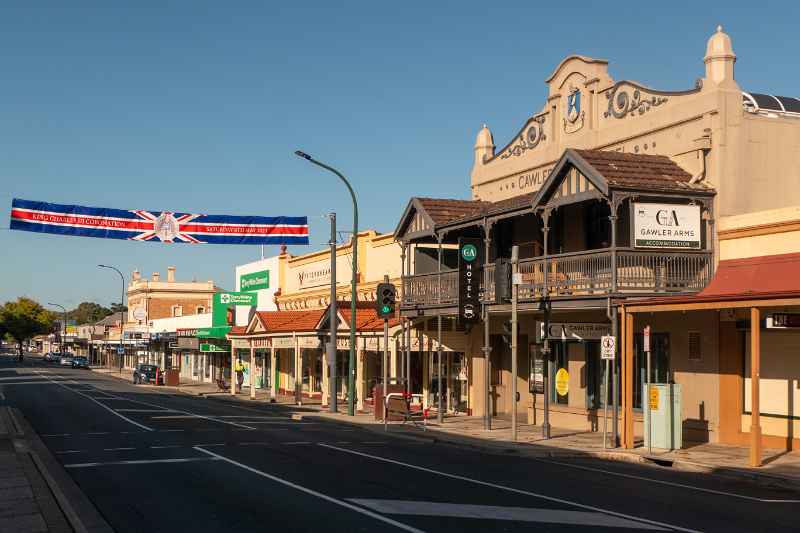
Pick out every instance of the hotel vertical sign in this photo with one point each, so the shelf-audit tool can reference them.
(666, 226)
(469, 278)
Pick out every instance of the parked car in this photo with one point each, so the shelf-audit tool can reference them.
(65, 360)
(51, 357)
(147, 374)
(80, 362)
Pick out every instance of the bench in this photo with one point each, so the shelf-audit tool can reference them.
(399, 404)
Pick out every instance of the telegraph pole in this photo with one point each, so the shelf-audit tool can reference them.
(334, 324)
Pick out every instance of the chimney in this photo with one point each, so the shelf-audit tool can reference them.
(171, 274)
(156, 276)
(136, 275)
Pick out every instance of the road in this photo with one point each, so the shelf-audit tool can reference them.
(153, 461)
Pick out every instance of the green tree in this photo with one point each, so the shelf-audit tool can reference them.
(88, 313)
(117, 307)
(24, 319)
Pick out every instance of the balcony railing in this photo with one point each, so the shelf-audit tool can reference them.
(580, 274)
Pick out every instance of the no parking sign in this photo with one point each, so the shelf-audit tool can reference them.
(608, 347)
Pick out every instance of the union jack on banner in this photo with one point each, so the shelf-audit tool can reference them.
(163, 226)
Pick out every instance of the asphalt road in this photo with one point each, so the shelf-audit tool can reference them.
(152, 461)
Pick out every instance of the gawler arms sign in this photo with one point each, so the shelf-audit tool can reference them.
(666, 226)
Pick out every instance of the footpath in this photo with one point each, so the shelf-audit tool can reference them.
(780, 468)
(36, 494)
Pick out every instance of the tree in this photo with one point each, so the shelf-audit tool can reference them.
(88, 313)
(117, 307)
(24, 319)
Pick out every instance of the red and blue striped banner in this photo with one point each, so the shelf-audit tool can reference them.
(163, 226)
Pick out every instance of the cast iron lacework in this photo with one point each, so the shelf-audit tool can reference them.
(528, 139)
(621, 103)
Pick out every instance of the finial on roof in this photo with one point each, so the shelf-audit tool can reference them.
(719, 28)
(719, 58)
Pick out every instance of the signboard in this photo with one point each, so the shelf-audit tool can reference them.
(562, 382)
(469, 270)
(139, 313)
(666, 226)
(654, 397)
(187, 332)
(578, 331)
(120, 350)
(783, 321)
(608, 347)
(254, 281)
(189, 343)
(208, 347)
(536, 380)
(646, 337)
(282, 342)
(240, 343)
(223, 311)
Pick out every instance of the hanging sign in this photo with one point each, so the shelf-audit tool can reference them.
(666, 226)
(576, 331)
(157, 226)
(469, 270)
(536, 379)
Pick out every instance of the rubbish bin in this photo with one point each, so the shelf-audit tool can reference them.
(663, 417)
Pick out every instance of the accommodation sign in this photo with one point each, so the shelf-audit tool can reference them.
(666, 226)
(469, 270)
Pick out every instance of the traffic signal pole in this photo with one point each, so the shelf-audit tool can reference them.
(385, 366)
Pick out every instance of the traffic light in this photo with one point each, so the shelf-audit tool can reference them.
(507, 332)
(502, 280)
(386, 300)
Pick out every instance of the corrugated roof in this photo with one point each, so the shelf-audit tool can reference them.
(765, 277)
(290, 321)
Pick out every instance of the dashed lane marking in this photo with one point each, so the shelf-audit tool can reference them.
(117, 449)
(141, 462)
(510, 489)
(330, 499)
(69, 451)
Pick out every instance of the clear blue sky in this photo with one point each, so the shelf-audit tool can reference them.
(198, 106)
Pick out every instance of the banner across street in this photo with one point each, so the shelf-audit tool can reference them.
(163, 226)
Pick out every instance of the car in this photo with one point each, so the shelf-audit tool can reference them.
(80, 362)
(144, 373)
(65, 360)
(51, 357)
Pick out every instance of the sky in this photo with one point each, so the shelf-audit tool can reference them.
(198, 107)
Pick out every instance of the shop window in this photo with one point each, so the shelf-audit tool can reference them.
(695, 353)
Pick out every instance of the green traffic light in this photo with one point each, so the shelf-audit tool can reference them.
(386, 309)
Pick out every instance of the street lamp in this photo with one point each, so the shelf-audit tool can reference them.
(351, 379)
(121, 312)
(64, 338)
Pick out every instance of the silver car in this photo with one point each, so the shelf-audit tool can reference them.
(66, 360)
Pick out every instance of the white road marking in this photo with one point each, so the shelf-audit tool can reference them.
(98, 433)
(116, 449)
(669, 483)
(170, 430)
(510, 489)
(170, 417)
(141, 462)
(22, 376)
(33, 383)
(70, 451)
(325, 497)
(165, 447)
(2, 396)
(255, 443)
(297, 442)
(144, 410)
(107, 408)
(56, 435)
(494, 512)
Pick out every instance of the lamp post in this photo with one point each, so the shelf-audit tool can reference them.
(64, 338)
(121, 312)
(351, 380)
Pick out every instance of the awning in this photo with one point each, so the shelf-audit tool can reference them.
(770, 280)
(214, 332)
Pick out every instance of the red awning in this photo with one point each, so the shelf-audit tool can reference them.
(752, 278)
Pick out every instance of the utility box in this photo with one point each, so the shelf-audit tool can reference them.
(666, 429)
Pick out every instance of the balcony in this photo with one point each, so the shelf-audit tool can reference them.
(581, 274)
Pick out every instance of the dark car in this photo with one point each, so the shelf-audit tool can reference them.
(147, 374)
(80, 362)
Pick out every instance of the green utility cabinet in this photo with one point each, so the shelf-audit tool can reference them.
(666, 430)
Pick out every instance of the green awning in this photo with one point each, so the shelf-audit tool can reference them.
(216, 332)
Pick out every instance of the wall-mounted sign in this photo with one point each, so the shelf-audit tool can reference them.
(208, 347)
(562, 382)
(139, 313)
(573, 331)
(241, 344)
(254, 281)
(187, 332)
(783, 321)
(469, 270)
(666, 226)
